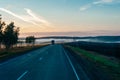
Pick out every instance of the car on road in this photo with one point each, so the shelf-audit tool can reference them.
(53, 42)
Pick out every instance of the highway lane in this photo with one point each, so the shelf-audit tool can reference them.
(48, 63)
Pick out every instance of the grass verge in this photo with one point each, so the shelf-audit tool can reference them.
(17, 51)
(110, 67)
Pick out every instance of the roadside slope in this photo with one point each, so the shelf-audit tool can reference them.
(93, 70)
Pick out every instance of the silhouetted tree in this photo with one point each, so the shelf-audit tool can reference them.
(30, 40)
(10, 35)
(2, 24)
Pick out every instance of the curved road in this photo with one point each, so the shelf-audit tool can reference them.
(48, 63)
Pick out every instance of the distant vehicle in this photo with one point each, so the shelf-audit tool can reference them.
(53, 42)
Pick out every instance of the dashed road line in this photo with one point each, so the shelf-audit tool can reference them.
(19, 78)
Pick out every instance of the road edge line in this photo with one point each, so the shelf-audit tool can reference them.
(74, 70)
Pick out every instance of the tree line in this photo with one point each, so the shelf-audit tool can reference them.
(9, 35)
(30, 40)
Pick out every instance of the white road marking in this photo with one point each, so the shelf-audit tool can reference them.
(71, 65)
(19, 78)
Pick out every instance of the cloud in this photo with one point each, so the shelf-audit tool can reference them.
(85, 7)
(35, 17)
(13, 14)
(30, 18)
(102, 1)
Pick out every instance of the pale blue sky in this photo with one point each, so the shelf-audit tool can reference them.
(62, 15)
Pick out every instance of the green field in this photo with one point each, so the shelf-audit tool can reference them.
(110, 66)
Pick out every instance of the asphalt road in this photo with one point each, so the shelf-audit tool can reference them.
(48, 63)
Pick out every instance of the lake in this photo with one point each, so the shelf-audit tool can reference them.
(38, 41)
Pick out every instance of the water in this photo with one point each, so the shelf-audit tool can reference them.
(39, 41)
(97, 40)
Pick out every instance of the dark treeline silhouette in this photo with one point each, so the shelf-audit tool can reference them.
(30, 40)
(8, 34)
(109, 49)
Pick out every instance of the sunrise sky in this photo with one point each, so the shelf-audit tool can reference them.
(63, 17)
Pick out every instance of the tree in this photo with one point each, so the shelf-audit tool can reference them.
(2, 24)
(30, 39)
(10, 35)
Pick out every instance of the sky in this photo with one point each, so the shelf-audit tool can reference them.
(63, 17)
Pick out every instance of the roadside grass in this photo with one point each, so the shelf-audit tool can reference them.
(16, 51)
(111, 67)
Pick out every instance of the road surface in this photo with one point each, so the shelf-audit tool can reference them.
(48, 63)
